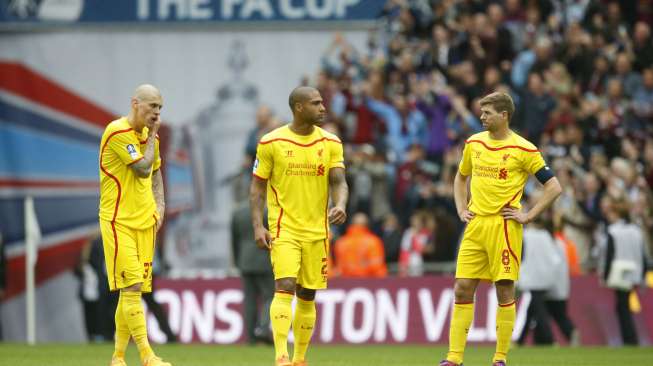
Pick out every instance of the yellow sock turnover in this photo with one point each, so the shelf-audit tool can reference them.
(280, 317)
(302, 326)
(505, 323)
(461, 320)
(132, 310)
(122, 332)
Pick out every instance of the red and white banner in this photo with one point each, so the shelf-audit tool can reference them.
(393, 310)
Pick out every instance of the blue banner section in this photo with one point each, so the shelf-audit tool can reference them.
(27, 154)
(54, 214)
(155, 11)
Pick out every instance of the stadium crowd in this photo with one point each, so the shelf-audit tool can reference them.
(581, 75)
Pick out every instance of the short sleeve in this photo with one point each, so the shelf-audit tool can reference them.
(126, 146)
(157, 157)
(264, 160)
(533, 162)
(465, 167)
(337, 155)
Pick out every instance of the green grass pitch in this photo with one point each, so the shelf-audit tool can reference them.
(377, 355)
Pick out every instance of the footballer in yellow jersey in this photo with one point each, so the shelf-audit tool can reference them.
(131, 211)
(298, 168)
(495, 165)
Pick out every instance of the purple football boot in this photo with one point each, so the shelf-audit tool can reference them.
(499, 363)
(449, 363)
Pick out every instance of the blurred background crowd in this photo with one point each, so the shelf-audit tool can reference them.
(580, 73)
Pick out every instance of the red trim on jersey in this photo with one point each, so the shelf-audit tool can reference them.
(508, 304)
(502, 147)
(115, 253)
(326, 218)
(513, 197)
(258, 176)
(135, 161)
(276, 197)
(505, 232)
(115, 212)
(297, 143)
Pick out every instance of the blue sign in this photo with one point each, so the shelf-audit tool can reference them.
(156, 11)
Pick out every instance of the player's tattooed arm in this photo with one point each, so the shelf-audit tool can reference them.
(159, 196)
(339, 193)
(257, 192)
(143, 167)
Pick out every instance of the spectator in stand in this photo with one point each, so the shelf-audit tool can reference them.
(413, 245)
(405, 125)
(391, 235)
(535, 107)
(359, 252)
(642, 46)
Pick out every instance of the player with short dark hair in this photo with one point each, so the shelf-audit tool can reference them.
(497, 162)
(298, 166)
(131, 212)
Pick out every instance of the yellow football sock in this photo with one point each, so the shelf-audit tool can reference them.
(461, 319)
(280, 317)
(132, 310)
(505, 323)
(122, 332)
(302, 327)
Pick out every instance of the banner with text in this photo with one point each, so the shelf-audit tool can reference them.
(398, 310)
(152, 11)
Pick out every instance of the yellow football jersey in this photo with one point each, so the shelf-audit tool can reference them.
(124, 197)
(297, 170)
(499, 170)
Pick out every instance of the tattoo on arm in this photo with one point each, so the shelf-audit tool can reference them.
(338, 187)
(159, 194)
(143, 167)
(257, 194)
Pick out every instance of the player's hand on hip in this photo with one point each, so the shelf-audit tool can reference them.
(511, 213)
(337, 215)
(263, 238)
(466, 216)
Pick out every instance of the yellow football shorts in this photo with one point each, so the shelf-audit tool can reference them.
(490, 249)
(128, 255)
(305, 261)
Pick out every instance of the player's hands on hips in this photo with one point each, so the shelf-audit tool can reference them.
(263, 238)
(511, 213)
(466, 216)
(337, 215)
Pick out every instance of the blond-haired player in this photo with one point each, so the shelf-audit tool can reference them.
(298, 166)
(131, 212)
(498, 163)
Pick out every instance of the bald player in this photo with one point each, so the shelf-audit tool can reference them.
(298, 166)
(131, 212)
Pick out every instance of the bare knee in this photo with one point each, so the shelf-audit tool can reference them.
(305, 293)
(505, 291)
(133, 288)
(464, 290)
(285, 285)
